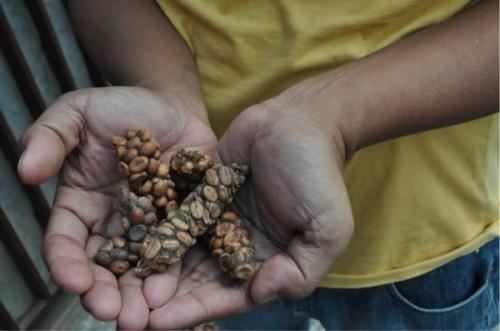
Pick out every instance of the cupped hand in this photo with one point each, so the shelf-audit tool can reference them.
(299, 210)
(75, 134)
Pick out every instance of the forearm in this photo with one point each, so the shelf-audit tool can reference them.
(445, 74)
(134, 44)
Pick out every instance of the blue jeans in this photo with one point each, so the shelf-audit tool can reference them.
(461, 295)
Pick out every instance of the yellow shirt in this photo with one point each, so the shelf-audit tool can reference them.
(418, 201)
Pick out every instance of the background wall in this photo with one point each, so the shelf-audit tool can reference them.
(40, 59)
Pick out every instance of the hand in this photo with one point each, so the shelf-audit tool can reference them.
(75, 134)
(298, 205)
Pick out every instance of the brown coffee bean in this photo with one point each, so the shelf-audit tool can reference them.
(170, 244)
(225, 175)
(165, 230)
(171, 193)
(224, 194)
(136, 215)
(118, 242)
(232, 247)
(135, 248)
(148, 148)
(207, 219)
(232, 238)
(119, 267)
(137, 232)
(162, 170)
(106, 246)
(153, 166)
(134, 142)
(119, 140)
(138, 164)
(217, 252)
(150, 218)
(194, 229)
(130, 133)
(161, 202)
(179, 224)
(130, 154)
(143, 271)
(152, 249)
(214, 209)
(103, 259)
(145, 134)
(160, 188)
(244, 272)
(120, 151)
(223, 228)
(171, 206)
(185, 238)
(215, 243)
(229, 216)
(118, 254)
(187, 167)
(145, 188)
(137, 178)
(210, 193)
(197, 209)
(211, 177)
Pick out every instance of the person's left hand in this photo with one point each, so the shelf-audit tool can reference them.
(297, 203)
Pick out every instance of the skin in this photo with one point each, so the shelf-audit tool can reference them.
(296, 200)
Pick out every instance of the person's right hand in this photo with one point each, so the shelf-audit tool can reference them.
(75, 134)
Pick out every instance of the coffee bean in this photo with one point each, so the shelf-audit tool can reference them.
(179, 224)
(185, 238)
(119, 267)
(170, 244)
(103, 259)
(137, 232)
(210, 193)
(119, 140)
(152, 249)
(138, 164)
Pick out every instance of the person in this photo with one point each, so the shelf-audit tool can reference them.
(369, 131)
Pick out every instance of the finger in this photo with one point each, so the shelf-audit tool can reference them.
(235, 145)
(64, 251)
(74, 212)
(309, 257)
(135, 312)
(53, 136)
(103, 300)
(206, 303)
(159, 288)
(205, 272)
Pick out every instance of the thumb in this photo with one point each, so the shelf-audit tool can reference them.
(53, 136)
(296, 273)
(311, 253)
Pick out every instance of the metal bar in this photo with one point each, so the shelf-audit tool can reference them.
(22, 73)
(10, 145)
(6, 321)
(51, 44)
(22, 258)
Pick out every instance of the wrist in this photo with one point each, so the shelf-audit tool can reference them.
(184, 96)
(331, 102)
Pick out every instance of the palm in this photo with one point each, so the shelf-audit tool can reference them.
(85, 205)
(300, 214)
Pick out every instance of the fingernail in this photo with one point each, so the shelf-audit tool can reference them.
(20, 162)
(267, 299)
